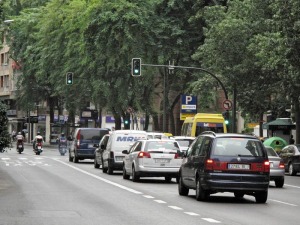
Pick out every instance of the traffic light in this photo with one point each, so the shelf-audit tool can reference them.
(69, 78)
(136, 67)
(127, 123)
(226, 116)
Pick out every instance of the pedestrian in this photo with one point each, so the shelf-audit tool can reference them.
(13, 135)
(292, 140)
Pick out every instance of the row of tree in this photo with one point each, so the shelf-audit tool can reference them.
(251, 45)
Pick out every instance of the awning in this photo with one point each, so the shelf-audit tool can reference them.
(280, 124)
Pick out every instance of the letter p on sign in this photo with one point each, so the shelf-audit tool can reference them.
(188, 99)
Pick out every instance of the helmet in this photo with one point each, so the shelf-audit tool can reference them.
(19, 132)
(38, 133)
(62, 134)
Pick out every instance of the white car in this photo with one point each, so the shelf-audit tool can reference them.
(152, 158)
(184, 142)
(156, 135)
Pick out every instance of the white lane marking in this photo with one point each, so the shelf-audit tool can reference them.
(211, 220)
(100, 178)
(148, 196)
(286, 203)
(160, 201)
(174, 207)
(191, 213)
(291, 186)
(23, 158)
(5, 159)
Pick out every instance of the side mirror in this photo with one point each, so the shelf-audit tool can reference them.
(181, 153)
(96, 145)
(125, 152)
(102, 147)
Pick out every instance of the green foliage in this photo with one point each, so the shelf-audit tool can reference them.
(4, 135)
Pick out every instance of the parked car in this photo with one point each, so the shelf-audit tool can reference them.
(291, 158)
(277, 170)
(83, 141)
(119, 140)
(220, 162)
(156, 135)
(184, 142)
(152, 158)
(99, 151)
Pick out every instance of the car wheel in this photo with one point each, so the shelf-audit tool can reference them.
(135, 177)
(201, 194)
(182, 190)
(292, 171)
(261, 197)
(110, 170)
(125, 175)
(96, 165)
(75, 159)
(279, 182)
(239, 194)
(168, 179)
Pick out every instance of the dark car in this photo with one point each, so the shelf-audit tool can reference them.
(83, 142)
(218, 162)
(99, 150)
(291, 158)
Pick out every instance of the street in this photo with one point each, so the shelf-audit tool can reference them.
(48, 189)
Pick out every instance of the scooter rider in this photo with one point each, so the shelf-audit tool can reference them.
(19, 139)
(38, 136)
(62, 140)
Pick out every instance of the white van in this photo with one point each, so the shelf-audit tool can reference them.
(118, 141)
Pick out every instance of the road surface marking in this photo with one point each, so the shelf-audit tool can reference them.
(286, 203)
(191, 213)
(174, 207)
(211, 220)
(291, 186)
(148, 196)
(100, 178)
(160, 201)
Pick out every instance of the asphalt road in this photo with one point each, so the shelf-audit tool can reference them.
(50, 190)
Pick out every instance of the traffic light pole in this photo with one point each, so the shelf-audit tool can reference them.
(171, 67)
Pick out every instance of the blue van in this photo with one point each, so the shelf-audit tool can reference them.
(83, 142)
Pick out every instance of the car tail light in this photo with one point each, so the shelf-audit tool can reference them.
(144, 155)
(281, 165)
(266, 166)
(78, 139)
(177, 156)
(209, 164)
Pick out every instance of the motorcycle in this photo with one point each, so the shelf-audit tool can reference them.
(20, 146)
(38, 149)
(62, 146)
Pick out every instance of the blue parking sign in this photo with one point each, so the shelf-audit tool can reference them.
(188, 104)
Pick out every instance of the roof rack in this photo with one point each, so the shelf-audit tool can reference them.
(209, 132)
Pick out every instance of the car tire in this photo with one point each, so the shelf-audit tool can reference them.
(135, 177)
(201, 194)
(182, 190)
(110, 169)
(70, 157)
(279, 182)
(238, 194)
(168, 179)
(96, 165)
(292, 171)
(261, 197)
(75, 159)
(125, 175)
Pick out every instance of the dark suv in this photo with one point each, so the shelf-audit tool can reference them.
(217, 162)
(83, 143)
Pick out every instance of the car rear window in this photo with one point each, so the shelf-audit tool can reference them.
(238, 147)
(184, 143)
(271, 151)
(93, 135)
(159, 145)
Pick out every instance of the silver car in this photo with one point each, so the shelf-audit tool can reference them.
(152, 158)
(277, 170)
(184, 142)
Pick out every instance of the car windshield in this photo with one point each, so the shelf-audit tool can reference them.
(271, 151)
(161, 145)
(238, 147)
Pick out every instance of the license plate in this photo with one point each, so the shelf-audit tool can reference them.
(119, 158)
(20, 146)
(162, 160)
(39, 147)
(239, 166)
